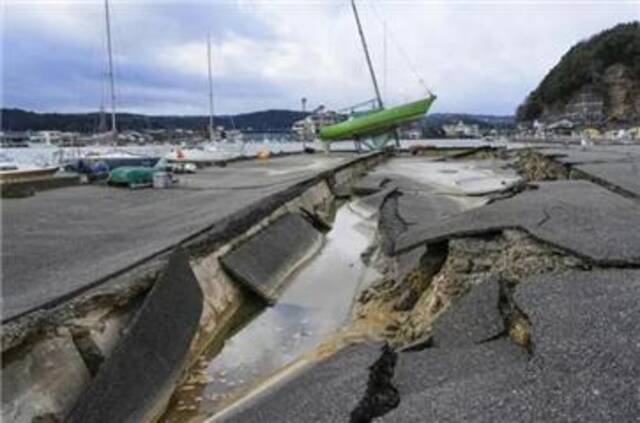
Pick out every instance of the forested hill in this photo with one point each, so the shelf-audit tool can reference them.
(602, 70)
(262, 121)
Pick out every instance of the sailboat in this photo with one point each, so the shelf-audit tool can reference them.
(380, 121)
(215, 149)
(97, 164)
(12, 171)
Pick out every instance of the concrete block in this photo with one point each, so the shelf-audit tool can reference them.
(473, 319)
(264, 262)
(135, 383)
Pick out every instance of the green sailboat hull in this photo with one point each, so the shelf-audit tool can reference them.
(377, 122)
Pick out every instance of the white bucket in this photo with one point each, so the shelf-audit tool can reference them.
(161, 180)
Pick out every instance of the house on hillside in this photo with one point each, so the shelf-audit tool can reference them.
(560, 127)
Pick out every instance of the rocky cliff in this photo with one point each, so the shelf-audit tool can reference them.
(597, 82)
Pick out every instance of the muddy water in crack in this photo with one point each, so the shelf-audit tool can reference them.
(315, 305)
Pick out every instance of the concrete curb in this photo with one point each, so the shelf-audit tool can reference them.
(264, 262)
(18, 189)
(137, 380)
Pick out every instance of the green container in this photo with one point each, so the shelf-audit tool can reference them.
(377, 122)
(131, 176)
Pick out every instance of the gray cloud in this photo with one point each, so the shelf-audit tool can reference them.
(478, 56)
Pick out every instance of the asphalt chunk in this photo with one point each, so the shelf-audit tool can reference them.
(370, 184)
(456, 384)
(578, 216)
(585, 362)
(624, 176)
(427, 207)
(472, 319)
(327, 392)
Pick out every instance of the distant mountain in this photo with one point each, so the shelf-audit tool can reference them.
(263, 121)
(596, 82)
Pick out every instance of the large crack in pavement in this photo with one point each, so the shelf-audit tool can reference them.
(615, 175)
(462, 309)
(446, 272)
(381, 396)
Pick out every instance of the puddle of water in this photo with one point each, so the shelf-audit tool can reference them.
(315, 305)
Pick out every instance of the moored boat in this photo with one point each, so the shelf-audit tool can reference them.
(11, 171)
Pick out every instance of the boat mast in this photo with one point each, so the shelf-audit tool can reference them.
(366, 53)
(111, 78)
(384, 58)
(210, 88)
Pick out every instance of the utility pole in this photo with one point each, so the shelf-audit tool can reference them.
(210, 88)
(366, 54)
(111, 77)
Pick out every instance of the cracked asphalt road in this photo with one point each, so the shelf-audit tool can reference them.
(584, 360)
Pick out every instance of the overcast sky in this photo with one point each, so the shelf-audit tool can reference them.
(477, 56)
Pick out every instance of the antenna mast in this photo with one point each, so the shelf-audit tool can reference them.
(210, 88)
(366, 53)
(111, 78)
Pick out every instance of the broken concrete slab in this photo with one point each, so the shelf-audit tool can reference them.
(263, 263)
(621, 177)
(585, 362)
(136, 381)
(370, 184)
(459, 384)
(390, 225)
(583, 315)
(586, 344)
(420, 208)
(426, 369)
(473, 319)
(44, 381)
(370, 205)
(461, 178)
(327, 392)
(579, 155)
(406, 263)
(576, 216)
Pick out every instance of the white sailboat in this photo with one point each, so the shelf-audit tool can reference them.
(11, 171)
(99, 161)
(214, 149)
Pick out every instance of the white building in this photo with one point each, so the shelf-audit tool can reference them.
(461, 130)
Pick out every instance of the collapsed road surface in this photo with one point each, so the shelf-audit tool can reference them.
(506, 289)
(61, 241)
(522, 309)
